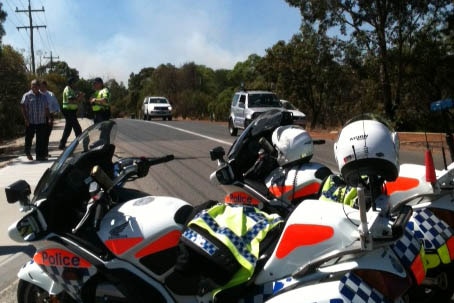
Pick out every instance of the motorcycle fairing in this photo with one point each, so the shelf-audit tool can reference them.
(241, 198)
(355, 289)
(148, 229)
(337, 231)
(411, 254)
(300, 182)
(65, 268)
(411, 181)
(292, 237)
(34, 274)
(59, 258)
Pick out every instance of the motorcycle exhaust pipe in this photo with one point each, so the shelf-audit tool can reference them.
(440, 281)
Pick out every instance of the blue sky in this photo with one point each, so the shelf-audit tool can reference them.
(113, 38)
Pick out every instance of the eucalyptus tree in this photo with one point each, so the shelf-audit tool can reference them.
(377, 26)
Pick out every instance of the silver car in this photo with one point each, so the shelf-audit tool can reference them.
(248, 105)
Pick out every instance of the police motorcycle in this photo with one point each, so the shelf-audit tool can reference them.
(431, 192)
(325, 251)
(97, 240)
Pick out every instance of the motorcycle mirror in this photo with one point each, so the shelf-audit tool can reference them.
(217, 153)
(18, 191)
(26, 229)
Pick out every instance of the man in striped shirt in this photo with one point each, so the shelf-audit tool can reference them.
(35, 111)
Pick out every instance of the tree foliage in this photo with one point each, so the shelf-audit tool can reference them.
(14, 81)
(348, 57)
(382, 28)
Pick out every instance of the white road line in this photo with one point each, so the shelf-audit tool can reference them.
(192, 133)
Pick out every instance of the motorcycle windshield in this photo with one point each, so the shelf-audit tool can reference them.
(92, 138)
(262, 126)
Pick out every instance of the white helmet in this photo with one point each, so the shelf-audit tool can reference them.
(367, 147)
(292, 143)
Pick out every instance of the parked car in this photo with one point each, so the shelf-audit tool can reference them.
(248, 105)
(156, 107)
(298, 116)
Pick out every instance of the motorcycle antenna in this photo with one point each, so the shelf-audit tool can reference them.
(443, 152)
(429, 163)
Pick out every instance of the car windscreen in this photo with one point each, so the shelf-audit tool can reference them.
(264, 100)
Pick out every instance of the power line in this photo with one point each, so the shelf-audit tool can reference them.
(31, 27)
(51, 60)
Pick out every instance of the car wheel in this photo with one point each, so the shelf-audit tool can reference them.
(232, 129)
(144, 117)
(169, 118)
(148, 117)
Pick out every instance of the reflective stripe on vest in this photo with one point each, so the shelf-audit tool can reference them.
(69, 93)
(240, 228)
(335, 190)
(101, 94)
(435, 233)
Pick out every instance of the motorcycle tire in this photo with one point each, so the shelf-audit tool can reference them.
(30, 293)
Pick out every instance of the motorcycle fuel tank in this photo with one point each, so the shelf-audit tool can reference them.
(143, 227)
(314, 228)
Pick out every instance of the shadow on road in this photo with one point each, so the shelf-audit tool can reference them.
(13, 249)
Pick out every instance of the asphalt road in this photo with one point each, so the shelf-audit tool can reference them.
(186, 177)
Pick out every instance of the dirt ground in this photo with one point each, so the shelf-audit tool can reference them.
(408, 141)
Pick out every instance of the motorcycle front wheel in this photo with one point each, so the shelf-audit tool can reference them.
(30, 293)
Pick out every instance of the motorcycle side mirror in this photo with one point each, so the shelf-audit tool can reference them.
(27, 229)
(18, 191)
(217, 153)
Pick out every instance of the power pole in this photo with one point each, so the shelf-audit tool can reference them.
(51, 60)
(31, 27)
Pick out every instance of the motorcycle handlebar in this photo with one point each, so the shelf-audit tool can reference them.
(155, 161)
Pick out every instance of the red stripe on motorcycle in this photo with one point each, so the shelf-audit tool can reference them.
(279, 190)
(59, 257)
(310, 189)
(167, 241)
(450, 244)
(418, 269)
(119, 246)
(297, 235)
(401, 184)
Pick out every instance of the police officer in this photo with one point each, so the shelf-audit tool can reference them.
(70, 106)
(100, 101)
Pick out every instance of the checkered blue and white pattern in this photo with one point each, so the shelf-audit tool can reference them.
(407, 248)
(200, 241)
(238, 242)
(72, 287)
(433, 230)
(356, 290)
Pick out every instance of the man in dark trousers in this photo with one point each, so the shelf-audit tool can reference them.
(70, 101)
(35, 111)
(54, 107)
